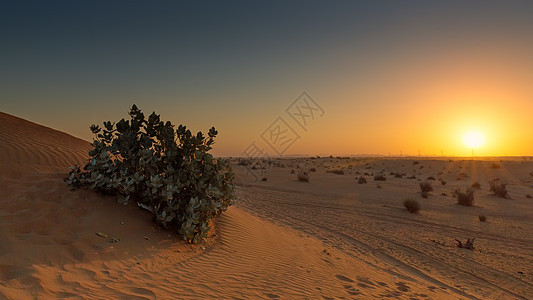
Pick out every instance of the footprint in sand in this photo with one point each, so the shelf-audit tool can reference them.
(402, 286)
(272, 296)
(344, 278)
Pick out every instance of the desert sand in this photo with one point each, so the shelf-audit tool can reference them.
(329, 238)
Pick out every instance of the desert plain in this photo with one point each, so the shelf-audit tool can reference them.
(330, 237)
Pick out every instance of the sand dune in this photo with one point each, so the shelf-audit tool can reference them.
(327, 239)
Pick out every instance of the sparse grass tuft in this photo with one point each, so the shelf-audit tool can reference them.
(412, 206)
(482, 218)
(465, 198)
(499, 188)
(476, 185)
(361, 180)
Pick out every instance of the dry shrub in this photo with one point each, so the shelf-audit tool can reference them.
(303, 176)
(336, 171)
(412, 206)
(426, 187)
(465, 198)
(380, 177)
(482, 218)
(361, 180)
(499, 188)
(476, 185)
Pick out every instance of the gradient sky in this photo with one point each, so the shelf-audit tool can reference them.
(392, 76)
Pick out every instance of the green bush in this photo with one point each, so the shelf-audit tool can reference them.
(166, 170)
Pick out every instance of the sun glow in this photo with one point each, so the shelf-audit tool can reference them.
(473, 139)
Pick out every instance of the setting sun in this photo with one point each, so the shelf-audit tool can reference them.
(473, 139)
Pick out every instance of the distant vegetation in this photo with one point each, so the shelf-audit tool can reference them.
(465, 198)
(499, 188)
(412, 206)
(336, 171)
(167, 170)
(302, 176)
(380, 177)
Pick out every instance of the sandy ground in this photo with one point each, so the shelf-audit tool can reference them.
(368, 221)
(329, 238)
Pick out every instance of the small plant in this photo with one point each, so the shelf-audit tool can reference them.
(380, 177)
(312, 170)
(424, 194)
(425, 187)
(292, 171)
(412, 206)
(476, 185)
(303, 176)
(336, 171)
(465, 198)
(495, 166)
(264, 179)
(443, 182)
(528, 196)
(499, 188)
(399, 175)
(361, 180)
(430, 178)
(482, 218)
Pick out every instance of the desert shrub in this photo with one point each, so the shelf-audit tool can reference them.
(168, 171)
(430, 178)
(312, 170)
(361, 180)
(336, 171)
(499, 188)
(425, 187)
(399, 175)
(482, 218)
(380, 177)
(412, 177)
(464, 198)
(293, 172)
(412, 206)
(476, 185)
(495, 166)
(443, 182)
(302, 176)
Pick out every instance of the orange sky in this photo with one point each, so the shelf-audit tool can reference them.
(408, 77)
